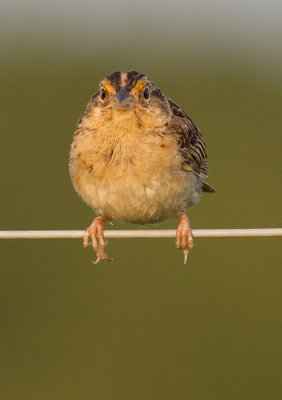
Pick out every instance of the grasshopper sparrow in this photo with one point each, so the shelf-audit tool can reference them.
(137, 157)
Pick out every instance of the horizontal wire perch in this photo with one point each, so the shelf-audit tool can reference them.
(163, 233)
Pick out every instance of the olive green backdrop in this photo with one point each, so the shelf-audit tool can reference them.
(144, 326)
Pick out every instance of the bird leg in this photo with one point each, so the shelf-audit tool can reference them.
(96, 231)
(184, 236)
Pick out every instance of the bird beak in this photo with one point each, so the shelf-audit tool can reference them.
(123, 100)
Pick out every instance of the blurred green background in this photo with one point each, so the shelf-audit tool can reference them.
(143, 326)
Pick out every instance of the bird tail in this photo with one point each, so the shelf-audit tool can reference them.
(207, 188)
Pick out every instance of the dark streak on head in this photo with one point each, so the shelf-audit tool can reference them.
(162, 100)
(157, 93)
(115, 79)
(132, 78)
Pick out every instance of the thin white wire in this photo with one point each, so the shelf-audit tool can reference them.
(163, 233)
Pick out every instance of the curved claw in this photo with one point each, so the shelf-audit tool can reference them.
(101, 255)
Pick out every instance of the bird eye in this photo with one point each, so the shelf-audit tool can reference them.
(146, 94)
(103, 94)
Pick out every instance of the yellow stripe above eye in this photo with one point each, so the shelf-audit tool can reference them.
(186, 168)
(138, 87)
(109, 88)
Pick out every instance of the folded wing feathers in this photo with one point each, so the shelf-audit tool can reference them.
(191, 141)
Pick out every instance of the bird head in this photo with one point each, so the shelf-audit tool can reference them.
(130, 92)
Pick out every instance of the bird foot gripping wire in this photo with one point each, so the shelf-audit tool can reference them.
(184, 236)
(95, 232)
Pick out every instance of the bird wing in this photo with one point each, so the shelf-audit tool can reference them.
(191, 143)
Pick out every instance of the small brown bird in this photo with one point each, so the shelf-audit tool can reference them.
(137, 157)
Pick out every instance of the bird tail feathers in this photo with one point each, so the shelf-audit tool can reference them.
(207, 188)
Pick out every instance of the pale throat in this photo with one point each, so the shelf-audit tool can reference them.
(123, 122)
